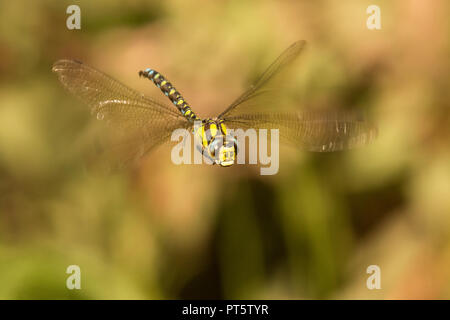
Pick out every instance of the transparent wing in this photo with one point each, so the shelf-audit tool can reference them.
(319, 131)
(313, 130)
(139, 123)
(262, 85)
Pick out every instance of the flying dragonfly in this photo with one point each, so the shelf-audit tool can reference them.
(146, 123)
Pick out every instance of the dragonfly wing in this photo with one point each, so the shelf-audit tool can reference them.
(262, 86)
(315, 130)
(139, 123)
(319, 131)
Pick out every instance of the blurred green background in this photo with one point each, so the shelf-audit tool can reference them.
(157, 230)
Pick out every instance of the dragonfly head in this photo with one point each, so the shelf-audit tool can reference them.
(223, 150)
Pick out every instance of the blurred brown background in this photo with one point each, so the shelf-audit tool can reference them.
(158, 230)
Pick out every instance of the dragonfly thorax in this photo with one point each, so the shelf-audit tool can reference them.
(216, 143)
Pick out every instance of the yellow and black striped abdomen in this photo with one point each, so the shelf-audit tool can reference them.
(172, 93)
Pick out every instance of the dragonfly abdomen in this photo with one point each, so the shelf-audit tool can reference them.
(170, 91)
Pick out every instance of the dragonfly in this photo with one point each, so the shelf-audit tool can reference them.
(146, 123)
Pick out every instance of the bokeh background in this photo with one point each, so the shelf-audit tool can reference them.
(157, 230)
